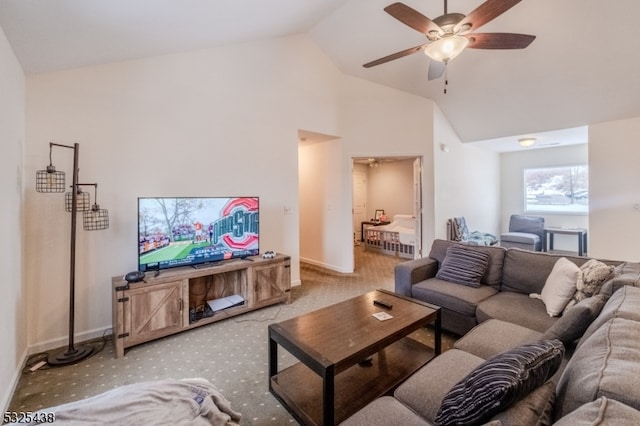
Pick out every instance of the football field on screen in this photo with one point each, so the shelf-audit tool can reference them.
(171, 252)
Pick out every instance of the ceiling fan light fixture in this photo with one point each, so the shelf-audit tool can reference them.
(526, 142)
(446, 48)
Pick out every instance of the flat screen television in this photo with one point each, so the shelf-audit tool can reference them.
(191, 231)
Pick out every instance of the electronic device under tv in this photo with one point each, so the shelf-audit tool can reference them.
(194, 231)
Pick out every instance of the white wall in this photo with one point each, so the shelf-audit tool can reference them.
(382, 122)
(214, 122)
(467, 182)
(320, 179)
(614, 189)
(512, 166)
(13, 315)
(390, 188)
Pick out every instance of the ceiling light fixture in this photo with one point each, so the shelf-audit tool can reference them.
(446, 48)
(526, 142)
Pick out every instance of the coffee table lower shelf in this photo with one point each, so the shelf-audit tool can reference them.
(300, 389)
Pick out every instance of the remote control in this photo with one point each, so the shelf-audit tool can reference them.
(383, 304)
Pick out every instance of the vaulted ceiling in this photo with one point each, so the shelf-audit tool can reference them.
(583, 67)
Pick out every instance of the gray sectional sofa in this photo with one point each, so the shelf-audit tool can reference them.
(590, 381)
(511, 276)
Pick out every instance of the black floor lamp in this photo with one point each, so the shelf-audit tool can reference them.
(94, 218)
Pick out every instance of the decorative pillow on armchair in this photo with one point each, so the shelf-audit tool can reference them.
(500, 382)
(464, 266)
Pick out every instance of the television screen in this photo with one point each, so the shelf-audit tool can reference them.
(190, 231)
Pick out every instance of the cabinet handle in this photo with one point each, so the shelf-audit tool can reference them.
(180, 305)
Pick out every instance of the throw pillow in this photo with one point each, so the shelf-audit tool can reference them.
(560, 286)
(500, 382)
(463, 265)
(573, 323)
(594, 274)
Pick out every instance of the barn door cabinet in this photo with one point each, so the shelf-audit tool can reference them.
(177, 299)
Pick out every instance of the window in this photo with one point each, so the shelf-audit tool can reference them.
(557, 189)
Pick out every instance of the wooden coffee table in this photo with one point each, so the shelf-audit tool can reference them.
(333, 378)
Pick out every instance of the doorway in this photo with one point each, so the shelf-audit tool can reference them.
(388, 185)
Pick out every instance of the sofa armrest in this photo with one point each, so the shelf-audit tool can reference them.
(412, 272)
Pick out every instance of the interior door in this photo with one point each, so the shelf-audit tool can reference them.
(417, 202)
(359, 203)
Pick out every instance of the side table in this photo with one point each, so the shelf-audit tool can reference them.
(581, 233)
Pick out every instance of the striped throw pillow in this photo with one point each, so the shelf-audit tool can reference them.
(463, 265)
(500, 382)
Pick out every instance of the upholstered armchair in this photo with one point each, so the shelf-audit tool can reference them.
(525, 232)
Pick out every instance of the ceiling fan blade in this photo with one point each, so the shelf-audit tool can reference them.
(436, 69)
(396, 55)
(484, 13)
(412, 18)
(499, 40)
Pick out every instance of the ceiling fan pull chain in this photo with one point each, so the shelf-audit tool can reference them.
(446, 78)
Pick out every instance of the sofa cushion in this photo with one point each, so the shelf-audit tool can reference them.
(516, 308)
(495, 336)
(520, 238)
(624, 303)
(385, 410)
(573, 323)
(463, 265)
(493, 274)
(560, 286)
(500, 382)
(606, 364)
(424, 390)
(527, 271)
(455, 297)
(602, 411)
(534, 409)
(624, 274)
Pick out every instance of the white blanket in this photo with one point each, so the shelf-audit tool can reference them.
(163, 402)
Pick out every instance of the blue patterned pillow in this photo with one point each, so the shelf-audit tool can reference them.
(500, 382)
(463, 265)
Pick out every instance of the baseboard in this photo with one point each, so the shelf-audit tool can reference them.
(324, 265)
(6, 398)
(64, 341)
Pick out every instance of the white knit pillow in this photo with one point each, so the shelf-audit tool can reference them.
(560, 286)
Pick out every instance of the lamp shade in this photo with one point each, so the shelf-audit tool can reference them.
(83, 202)
(50, 180)
(446, 48)
(95, 219)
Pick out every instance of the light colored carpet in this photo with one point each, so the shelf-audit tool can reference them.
(232, 354)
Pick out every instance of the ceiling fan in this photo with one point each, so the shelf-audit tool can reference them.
(451, 33)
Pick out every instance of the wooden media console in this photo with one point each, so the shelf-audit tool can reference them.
(176, 299)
